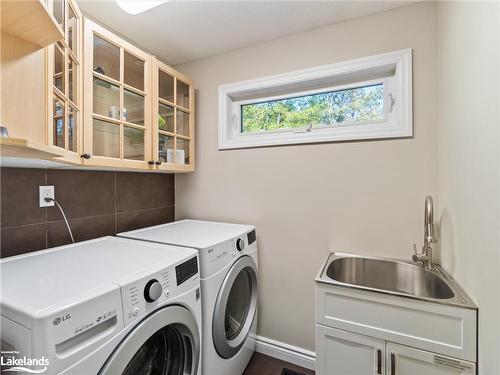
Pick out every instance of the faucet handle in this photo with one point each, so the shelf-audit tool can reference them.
(416, 256)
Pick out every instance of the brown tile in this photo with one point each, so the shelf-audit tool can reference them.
(82, 193)
(144, 218)
(90, 200)
(163, 191)
(139, 191)
(261, 364)
(19, 196)
(82, 229)
(24, 239)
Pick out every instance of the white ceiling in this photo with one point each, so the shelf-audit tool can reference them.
(180, 31)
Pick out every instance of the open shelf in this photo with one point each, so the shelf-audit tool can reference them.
(31, 21)
(22, 148)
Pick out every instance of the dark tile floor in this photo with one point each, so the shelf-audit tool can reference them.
(261, 364)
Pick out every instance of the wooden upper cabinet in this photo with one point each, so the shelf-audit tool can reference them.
(117, 101)
(31, 21)
(138, 112)
(26, 27)
(94, 99)
(173, 114)
(64, 83)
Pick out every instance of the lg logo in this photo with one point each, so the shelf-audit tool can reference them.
(61, 319)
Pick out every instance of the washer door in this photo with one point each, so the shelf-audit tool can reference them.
(166, 342)
(235, 307)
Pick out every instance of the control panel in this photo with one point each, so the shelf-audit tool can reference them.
(143, 296)
(214, 258)
(186, 270)
(251, 237)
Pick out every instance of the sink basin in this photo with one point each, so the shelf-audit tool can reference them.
(389, 276)
(392, 276)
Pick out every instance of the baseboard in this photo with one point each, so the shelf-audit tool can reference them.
(289, 353)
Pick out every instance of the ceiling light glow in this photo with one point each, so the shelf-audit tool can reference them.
(138, 6)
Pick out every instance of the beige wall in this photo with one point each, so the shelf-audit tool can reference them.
(469, 160)
(306, 200)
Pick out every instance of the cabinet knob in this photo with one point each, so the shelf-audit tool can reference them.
(158, 162)
(85, 156)
(151, 162)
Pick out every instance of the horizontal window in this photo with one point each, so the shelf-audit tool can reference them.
(360, 99)
(354, 105)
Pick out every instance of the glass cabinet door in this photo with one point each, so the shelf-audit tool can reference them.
(64, 63)
(174, 120)
(117, 112)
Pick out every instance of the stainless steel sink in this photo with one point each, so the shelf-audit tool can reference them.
(392, 276)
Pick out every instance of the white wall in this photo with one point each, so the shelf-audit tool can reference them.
(469, 160)
(306, 200)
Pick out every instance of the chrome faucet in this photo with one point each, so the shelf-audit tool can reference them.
(426, 256)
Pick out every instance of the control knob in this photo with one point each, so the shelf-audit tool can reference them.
(152, 290)
(240, 244)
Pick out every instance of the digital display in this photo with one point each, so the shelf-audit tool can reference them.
(186, 270)
(251, 237)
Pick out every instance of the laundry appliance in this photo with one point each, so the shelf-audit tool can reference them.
(104, 306)
(229, 287)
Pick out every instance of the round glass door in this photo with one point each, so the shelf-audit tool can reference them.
(163, 353)
(235, 307)
(165, 343)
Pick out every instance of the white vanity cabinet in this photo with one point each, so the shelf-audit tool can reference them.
(347, 353)
(363, 332)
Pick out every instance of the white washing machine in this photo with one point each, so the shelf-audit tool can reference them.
(105, 306)
(228, 269)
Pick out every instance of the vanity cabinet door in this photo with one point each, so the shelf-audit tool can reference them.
(345, 353)
(403, 360)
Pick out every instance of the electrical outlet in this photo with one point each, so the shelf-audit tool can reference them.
(46, 192)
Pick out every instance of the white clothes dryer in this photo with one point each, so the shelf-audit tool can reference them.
(229, 287)
(104, 306)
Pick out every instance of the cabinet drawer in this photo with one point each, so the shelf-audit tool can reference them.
(439, 328)
(403, 360)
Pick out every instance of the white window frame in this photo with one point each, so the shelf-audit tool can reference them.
(398, 115)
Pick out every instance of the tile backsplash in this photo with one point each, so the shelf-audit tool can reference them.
(96, 203)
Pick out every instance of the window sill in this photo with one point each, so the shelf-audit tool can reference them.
(337, 134)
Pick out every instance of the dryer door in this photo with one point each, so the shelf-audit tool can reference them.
(235, 307)
(166, 342)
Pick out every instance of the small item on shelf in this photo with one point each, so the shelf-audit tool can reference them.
(114, 112)
(180, 156)
(4, 132)
(170, 155)
(99, 70)
(59, 109)
(161, 122)
(124, 114)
